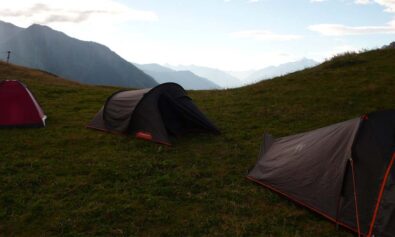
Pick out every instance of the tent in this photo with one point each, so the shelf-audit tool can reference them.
(343, 172)
(18, 107)
(152, 114)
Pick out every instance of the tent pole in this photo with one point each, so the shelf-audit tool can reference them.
(380, 195)
(339, 204)
(355, 196)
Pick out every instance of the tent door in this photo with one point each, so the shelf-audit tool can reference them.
(177, 119)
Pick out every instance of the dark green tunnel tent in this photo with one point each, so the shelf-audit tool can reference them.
(343, 172)
(152, 114)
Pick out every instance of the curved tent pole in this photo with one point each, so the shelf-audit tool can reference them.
(382, 186)
(355, 196)
(339, 202)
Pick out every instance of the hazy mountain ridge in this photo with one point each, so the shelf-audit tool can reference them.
(217, 76)
(186, 79)
(88, 62)
(232, 79)
(280, 70)
(8, 30)
(241, 75)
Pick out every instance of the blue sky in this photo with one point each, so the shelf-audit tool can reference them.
(225, 34)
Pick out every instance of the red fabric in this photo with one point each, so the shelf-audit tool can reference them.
(148, 137)
(18, 106)
(144, 135)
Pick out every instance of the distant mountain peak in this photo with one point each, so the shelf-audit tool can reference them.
(8, 30)
(41, 27)
(41, 47)
(185, 78)
(9, 24)
(280, 70)
(221, 78)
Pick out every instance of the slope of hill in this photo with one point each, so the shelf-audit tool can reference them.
(67, 180)
(219, 77)
(88, 62)
(280, 70)
(186, 79)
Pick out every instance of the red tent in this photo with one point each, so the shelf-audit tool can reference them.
(18, 107)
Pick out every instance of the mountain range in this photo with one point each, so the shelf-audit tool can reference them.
(232, 79)
(186, 79)
(8, 30)
(88, 62)
(280, 70)
(217, 76)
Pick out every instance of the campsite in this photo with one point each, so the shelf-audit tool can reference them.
(197, 118)
(65, 179)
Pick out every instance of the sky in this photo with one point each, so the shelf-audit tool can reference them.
(233, 35)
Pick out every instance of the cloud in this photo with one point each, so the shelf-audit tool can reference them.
(26, 12)
(329, 52)
(342, 30)
(362, 2)
(389, 5)
(264, 35)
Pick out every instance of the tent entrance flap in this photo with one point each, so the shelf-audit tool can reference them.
(181, 116)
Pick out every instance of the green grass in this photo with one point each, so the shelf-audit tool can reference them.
(66, 180)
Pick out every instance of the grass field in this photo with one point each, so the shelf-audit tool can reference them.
(66, 180)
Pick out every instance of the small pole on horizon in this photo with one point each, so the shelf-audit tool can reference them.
(8, 56)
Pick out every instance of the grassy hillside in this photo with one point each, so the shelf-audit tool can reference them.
(65, 180)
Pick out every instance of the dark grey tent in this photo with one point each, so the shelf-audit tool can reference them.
(152, 114)
(343, 172)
